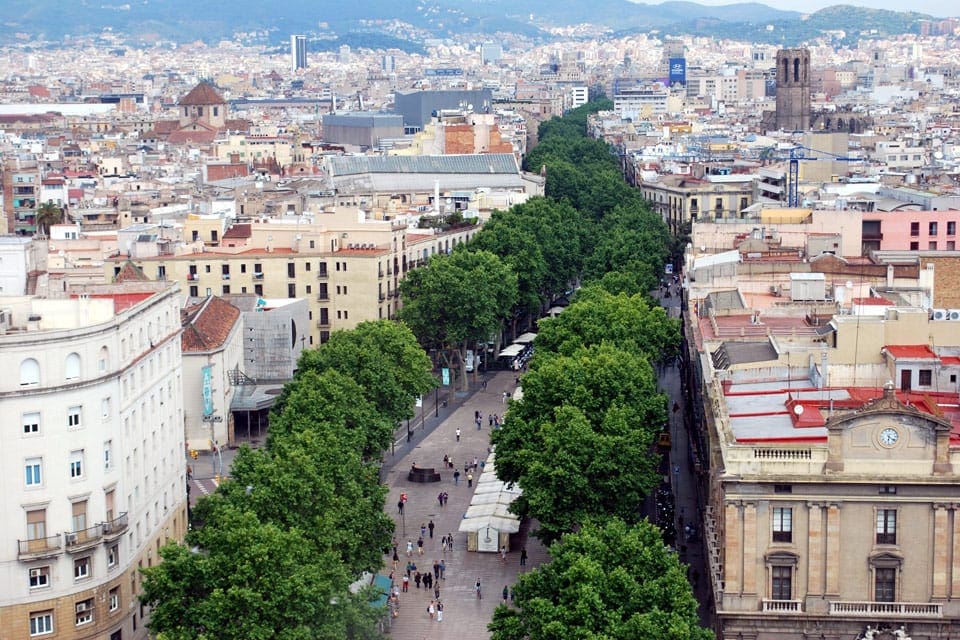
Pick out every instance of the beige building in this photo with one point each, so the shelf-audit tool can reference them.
(680, 199)
(346, 266)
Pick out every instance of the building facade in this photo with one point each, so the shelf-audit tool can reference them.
(93, 448)
(793, 90)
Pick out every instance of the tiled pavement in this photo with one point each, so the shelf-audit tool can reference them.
(463, 614)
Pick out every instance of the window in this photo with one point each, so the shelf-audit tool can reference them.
(33, 475)
(39, 577)
(114, 598)
(113, 555)
(782, 524)
(914, 246)
(107, 454)
(306, 266)
(291, 270)
(105, 408)
(29, 372)
(76, 464)
(781, 583)
(72, 367)
(932, 228)
(258, 289)
(81, 568)
(194, 291)
(925, 377)
(951, 228)
(104, 359)
(31, 422)
(79, 515)
(886, 526)
(309, 289)
(932, 246)
(84, 612)
(37, 524)
(73, 417)
(914, 229)
(41, 623)
(782, 488)
(291, 290)
(323, 293)
(885, 584)
(226, 289)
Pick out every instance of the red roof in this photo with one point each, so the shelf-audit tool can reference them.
(203, 94)
(875, 302)
(911, 351)
(207, 325)
(238, 231)
(123, 301)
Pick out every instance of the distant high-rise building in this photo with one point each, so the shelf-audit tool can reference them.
(298, 52)
(388, 63)
(490, 52)
(793, 89)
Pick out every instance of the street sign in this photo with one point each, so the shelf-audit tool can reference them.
(445, 375)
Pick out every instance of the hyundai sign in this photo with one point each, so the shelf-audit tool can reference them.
(678, 71)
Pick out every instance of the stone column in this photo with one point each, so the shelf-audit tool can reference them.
(733, 551)
(815, 550)
(750, 547)
(941, 548)
(955, 570)
(833, 550)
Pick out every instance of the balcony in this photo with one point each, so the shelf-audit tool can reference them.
(84, 539)
(867, 609)
(257, 275)
(225, 276)
(781, 606)
(323, 274)
(40, 548)
(323, 323)
(323, 296)
(382, 297)
(193, 277)
(115, 528)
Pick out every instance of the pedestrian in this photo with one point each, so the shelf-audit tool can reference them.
(503, 553)
(409, 548)
(410, 567)
(443, 568)
(503, 400)
(511, 595)
(436, 569)
(400, 506)
(440, 499)
(443, 543)
(430, 526)
(439, 611)
(423, 529)
(458, 434)
(396, 559)
(456, 477)
(475, 462)
(420, 545)
(436, 592)
(450, 540)
(482, 464)
(490, 419)
(427, 580)
(469, 480)
(446, 496)
(417, 578)
(506, 594)
(406, 583)
(477, 587)
(483, 384)
(477, 415)
(479, 423)
(523, 556)
(430, 610)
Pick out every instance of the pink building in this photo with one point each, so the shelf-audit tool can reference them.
(910, 230)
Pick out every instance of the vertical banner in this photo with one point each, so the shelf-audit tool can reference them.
(207, 377)
(445, 375)
(678, 71)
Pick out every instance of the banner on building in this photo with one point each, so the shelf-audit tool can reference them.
(207, 378)
(678, 71)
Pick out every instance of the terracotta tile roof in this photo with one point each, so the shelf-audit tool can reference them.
(873, 302)
(207, 325)
(203, 94)
(911, 351)
(130, 272)
(186, 136)
(238, 231)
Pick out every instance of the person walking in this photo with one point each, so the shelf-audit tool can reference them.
(456, 477)
(477, 587)
(436, 592)
(436, 569)
(458, 434)
(430, 526)
(439, 611)
(469, 480)
(506, 594)
(440, 499)
(431, 610)
(417, 578)
(423, 529)
(443, 544)
(450, 540)
(396, 559)
(406, 583)
(503, 553)
(409, 548)
(443, 568)
(446, 497)
(420, 545)
(523, 556)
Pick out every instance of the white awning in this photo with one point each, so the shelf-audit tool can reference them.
(511, 351)
(526, 338)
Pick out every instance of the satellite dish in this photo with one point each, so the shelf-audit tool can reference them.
(798, 409)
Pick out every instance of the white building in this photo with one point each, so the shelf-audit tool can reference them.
(92, 449)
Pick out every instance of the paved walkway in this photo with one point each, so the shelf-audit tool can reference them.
(463, 615)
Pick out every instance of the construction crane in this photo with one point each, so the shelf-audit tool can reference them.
(797, 154)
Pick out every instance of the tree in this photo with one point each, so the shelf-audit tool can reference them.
(245, 579)
(611, 581)
(579, 443)
(383, 357)
(629, 322)
(505, 236)
(48, 214)
(458, 300)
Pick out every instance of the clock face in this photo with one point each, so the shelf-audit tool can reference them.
(889, 437)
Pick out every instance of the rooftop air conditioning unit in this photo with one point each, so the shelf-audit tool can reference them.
(953, 314)
(71, 538)
(939, 314)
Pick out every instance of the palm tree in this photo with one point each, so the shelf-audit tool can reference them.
(48, 214)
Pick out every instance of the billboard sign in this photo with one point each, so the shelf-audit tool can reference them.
(207, 378)
(678, 71)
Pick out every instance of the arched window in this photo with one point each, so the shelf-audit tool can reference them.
(796, 69)
(104, 359)
(72, 366)
(29, 372)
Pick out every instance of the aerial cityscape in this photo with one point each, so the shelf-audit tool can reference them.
(519, 320)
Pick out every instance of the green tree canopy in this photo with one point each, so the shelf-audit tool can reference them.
(383, 357)
(629, 322)
(48, 214)
(609, 581)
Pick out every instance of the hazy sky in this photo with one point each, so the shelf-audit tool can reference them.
(937, 8)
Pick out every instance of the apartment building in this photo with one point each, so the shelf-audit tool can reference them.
(346, 266)
(93, 446)
(680, 199)
(21, 196)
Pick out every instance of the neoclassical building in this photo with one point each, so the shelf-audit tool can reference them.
(92, 450)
